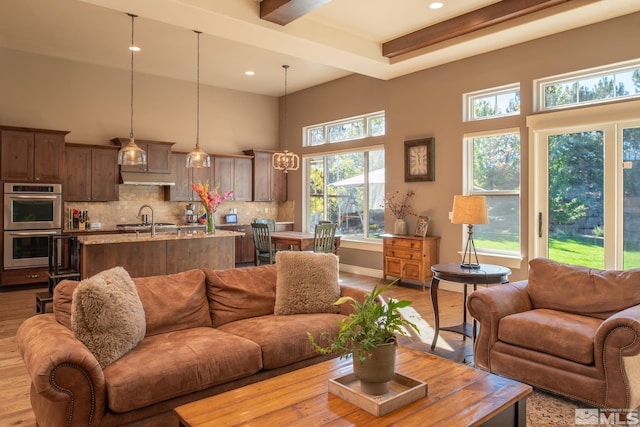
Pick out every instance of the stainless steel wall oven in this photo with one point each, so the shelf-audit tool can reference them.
(32, 212)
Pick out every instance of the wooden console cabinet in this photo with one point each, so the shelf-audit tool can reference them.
(410, 257)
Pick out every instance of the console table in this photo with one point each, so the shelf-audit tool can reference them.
(409, 257)
(487, 274)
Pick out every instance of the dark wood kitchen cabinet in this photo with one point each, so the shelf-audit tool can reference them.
(91, 173)
(158, 155)
(183, 177)
(233, 173)
(245, 249)
(269, 184)
(30, 155)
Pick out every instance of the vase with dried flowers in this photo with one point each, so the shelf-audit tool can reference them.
(211, 200)
(399, 206)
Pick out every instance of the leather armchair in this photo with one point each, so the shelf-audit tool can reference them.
(570, 330)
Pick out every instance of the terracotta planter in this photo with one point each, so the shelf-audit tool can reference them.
(377, 370)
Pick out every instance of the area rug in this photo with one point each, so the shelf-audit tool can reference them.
(548, 410)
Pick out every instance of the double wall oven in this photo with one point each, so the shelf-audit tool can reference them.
(32, 212)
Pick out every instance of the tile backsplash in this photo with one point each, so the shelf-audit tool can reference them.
(109, 214)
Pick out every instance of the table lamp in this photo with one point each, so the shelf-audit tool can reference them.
(469, 210)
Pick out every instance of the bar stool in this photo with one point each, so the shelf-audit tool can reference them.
(64, 263)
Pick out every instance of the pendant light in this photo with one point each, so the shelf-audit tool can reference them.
(131, 154)
(285, 160)
(198, 158)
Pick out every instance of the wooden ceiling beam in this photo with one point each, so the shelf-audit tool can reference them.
(478, 19)
(283, 12)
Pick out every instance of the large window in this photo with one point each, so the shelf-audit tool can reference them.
(585, 87)
(346, 188)
(493, 161)
(345, 129)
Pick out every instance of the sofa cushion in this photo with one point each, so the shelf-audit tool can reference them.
(307, 283)
(582, 290)
(283, 339)
(565, 335)
(240, 293)
(176, 363)
(107, 315)
(174, 301)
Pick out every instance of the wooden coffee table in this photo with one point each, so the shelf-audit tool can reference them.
(458, 395)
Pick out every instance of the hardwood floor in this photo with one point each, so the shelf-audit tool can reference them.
(16, 306)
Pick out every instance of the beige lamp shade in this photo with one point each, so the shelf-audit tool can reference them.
(469, 210)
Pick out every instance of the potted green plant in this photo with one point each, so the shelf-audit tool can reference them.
(369, 335)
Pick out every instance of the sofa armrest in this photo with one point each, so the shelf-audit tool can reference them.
(355, 293)
(617, 350)
(488, 306)
(67, 382)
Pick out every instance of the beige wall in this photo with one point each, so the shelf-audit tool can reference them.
(93, 103)
(429, 103)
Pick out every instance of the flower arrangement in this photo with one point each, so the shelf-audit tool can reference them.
(399, 204)
(211, 200)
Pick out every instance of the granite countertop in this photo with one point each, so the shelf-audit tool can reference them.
(146, 237)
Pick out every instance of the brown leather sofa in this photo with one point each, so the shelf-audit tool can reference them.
(206, 332)
(570, 330)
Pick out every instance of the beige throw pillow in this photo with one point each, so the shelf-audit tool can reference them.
(307, 282)
(107, 315)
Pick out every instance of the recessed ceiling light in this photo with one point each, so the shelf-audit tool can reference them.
(249, 73)
(435, 5)
(134, 48)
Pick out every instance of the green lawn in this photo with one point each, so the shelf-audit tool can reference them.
(586, 251)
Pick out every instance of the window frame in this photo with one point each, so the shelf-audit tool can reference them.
(469, 97)
(575, 77)
(366, 132)
(468, 186)
(306, 196)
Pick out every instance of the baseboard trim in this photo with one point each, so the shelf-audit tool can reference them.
(372, 272)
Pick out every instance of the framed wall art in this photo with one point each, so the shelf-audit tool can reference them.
(419, 160)
(422, 226)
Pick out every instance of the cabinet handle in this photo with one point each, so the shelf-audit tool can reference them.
(33, 276)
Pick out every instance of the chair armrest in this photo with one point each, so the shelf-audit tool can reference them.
(488, 306)
(617, 354)
(68, 386)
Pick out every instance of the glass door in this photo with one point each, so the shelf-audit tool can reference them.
(576, 198)
(631, 197)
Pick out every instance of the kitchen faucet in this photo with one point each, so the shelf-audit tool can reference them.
(153, 223)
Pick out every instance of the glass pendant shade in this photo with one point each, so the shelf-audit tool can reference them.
(285, 160)
(198, 158)
(131, 154)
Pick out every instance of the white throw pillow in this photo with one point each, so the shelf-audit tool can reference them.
(307, 282)
(107, 315)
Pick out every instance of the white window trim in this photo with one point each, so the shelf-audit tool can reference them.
(367, 242)
(467, 101)
(577, 75)
(508, 259)
(367, 134)
(541, 125)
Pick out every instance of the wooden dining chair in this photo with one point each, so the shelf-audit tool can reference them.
(270, 222)
(265, 252)
(323, 238)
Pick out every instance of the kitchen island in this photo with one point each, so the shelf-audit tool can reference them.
(165, 253)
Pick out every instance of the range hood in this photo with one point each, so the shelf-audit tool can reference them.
(146, 178)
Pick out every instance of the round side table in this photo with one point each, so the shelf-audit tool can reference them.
(487, 274)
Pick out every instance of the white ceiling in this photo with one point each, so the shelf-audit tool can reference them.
(337, 39)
